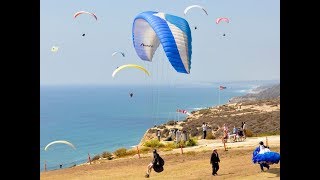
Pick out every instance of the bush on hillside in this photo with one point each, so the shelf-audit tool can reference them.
(171, 123)
(152, 130)
(192, 142)
(107, 155)
(210, 135)
(248, 133)
(96, 157)
(121, 152)
(153, 143)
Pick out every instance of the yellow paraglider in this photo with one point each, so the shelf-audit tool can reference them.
(54, 48)
(60, 141)
(130, 66)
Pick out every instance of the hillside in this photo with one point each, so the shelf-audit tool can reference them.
(262, 92)
(262, 117)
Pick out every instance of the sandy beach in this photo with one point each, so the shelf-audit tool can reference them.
(194, 163)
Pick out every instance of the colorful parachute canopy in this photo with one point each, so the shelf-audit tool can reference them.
(84, 12)
(60, 141)
(130, 66)
(54, 49)
(218, 20)
(183, 111)
(152, 28)
(116, 52)
(194, 6)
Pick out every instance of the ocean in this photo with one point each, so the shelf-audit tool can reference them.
(105, 118)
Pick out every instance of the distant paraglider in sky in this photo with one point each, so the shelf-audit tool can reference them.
(151, 28)
(54, 49)
(222, 19)
(59, 141)
(84, 12)
(218, 20)
(116, 52)
(129, 66)
(193, 6)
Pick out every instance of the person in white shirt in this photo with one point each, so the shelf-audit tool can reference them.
(204, 129)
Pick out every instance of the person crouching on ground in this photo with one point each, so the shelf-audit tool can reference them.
(152, 163)
(214, 161)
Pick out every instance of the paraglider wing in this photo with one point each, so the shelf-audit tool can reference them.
(268, 157)
(54, 49)
(152, 28)
(193, 6)
(84, 12)
(114, 53)
(60, 141)
(218, 20)
(129, 66)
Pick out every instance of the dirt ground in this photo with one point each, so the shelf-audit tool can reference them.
(194, 163)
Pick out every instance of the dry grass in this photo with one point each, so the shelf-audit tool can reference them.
(235, 164)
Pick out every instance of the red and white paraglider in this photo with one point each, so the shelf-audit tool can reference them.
(222, 19)
(84, 12)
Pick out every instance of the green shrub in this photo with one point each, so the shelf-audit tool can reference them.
(153, 143)
(170, 145)
(107, 155)
(192, 142)
(96, 157)
(145, 149)
(121, 152)
(131, 152)
(181, 143)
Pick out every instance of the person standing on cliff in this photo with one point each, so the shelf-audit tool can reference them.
(244, 129)
(204, 129)
(158, 135)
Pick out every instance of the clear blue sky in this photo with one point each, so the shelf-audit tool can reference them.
(249, 51)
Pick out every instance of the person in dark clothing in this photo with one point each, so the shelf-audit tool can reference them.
(131, 94)
(154, 162)
(214, 161)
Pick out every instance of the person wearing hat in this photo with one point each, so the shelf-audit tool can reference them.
(214, 161)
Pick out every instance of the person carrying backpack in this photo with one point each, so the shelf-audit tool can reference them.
(157, 164)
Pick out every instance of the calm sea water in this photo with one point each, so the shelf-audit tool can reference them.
(104, 118)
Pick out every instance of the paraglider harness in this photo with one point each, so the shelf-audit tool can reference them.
(158, 163)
